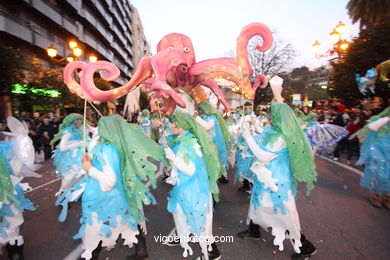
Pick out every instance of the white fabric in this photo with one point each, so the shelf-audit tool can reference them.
(261, 155)
(183, 230)
(178, 162)
(265, 216)
(66, 144)
(377, 124)
(264, 175)
(207, 125)
(106, 178)
(92, 237)
(13, 230)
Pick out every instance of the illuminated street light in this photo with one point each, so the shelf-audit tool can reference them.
(344, 45)
(51, 51)
(77, 52)
(73, 44)
(334, 37)
(340, 28)
(324, 86)
(93, 58)
(339, 45)
(317, 48)
(69, 59)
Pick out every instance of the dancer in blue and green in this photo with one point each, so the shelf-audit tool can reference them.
(16, 156)
(67, 160)
(145, 124)
(244, 155)
(213, 123)
(283, 158)
(375, 156)
(195, 170)
(112, 203)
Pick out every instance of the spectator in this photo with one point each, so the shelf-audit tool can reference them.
(353, 144)
(46, 126)
(45, 144)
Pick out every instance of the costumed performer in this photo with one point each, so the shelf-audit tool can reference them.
(112, 203)
(283, 158)
(375, 156)
(195, 169)
(16, 162)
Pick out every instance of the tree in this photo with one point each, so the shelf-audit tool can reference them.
(10, 67)
(366, 51)
(368, 12)
(277, 60)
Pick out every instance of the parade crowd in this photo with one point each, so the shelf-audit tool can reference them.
(271, 149)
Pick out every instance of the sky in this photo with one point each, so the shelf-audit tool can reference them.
(213, 25)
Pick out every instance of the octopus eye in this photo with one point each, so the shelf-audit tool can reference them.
(186, 49)
(170, 48)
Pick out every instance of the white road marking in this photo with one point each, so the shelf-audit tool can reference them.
(75, 254)
(43, 185)
(354, 170)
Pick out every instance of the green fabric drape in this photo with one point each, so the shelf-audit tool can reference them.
(208, 109)
(209, 150)
(299, 149)
(134, 148)
(6, 187)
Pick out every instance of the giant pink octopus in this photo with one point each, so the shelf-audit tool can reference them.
(173, 70)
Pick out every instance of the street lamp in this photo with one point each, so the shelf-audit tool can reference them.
(339, 45)
(92, 58)
(72, 44)
(69, 59)
(51, 51)
(77, 52)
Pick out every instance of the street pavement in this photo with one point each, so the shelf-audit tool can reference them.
(336, 218)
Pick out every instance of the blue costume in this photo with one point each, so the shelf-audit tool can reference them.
(67, 160)
(11, 210)
(217, 137)
(244, 159)
(282, 152)
(194, 174)
(190, 192)
(375, 155)
(106, 213)
(16, 162)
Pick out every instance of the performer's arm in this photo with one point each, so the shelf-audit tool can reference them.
(261, 155)
(179, 163)
(377, 124)
(106, 178)
(207, 125)
(66, 144)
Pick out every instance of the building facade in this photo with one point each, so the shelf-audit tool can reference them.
(108, 29)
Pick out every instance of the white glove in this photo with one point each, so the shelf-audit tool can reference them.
(245, 130)
(276, 86)
(169, 154)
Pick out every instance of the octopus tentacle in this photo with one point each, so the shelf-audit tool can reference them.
(211, 84)
(111, 72)
(69, 76)
(246, 34)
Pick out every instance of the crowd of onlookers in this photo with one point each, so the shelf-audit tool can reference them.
(353, 118)
(42, 127)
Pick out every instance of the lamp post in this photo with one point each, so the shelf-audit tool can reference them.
(339, 45)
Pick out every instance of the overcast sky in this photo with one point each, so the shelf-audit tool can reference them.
(213, 25)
